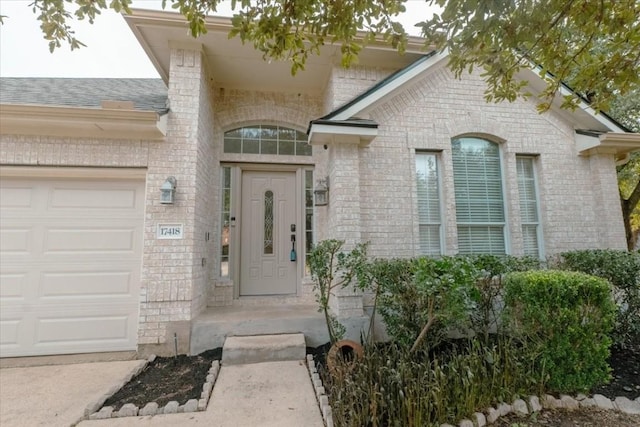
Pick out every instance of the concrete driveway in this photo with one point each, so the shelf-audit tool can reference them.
(57, 395)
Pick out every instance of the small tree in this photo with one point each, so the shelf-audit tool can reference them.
(331, 268)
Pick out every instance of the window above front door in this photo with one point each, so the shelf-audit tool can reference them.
(266, 139)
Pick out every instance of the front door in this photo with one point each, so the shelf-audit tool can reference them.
(268, 254)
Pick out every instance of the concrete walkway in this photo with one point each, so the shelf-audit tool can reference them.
(56, 395)
(256, 395)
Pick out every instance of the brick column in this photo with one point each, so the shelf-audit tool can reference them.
(344, 223)
(172, 276)
(608, 212)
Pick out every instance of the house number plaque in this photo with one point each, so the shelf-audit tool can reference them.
(170, 231)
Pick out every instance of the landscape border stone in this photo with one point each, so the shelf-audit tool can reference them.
(321, 397)
(95, 406)
(96, 411)
(492, 414)
(620, 404)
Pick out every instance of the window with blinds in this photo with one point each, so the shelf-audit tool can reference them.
(429, 223)
(529, 217)
(480, 212)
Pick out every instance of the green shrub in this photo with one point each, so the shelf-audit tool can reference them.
(487, 292)
(421, 299)
(565, 318)
(622, 270)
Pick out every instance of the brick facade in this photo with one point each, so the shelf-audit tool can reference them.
(372, 188)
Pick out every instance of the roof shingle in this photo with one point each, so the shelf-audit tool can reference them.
(146, 94)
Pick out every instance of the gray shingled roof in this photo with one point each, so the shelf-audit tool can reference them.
(146, 94)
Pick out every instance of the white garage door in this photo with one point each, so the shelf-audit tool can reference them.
(70, 259)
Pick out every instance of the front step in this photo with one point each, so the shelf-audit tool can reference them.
(263, 348)
(211, 328)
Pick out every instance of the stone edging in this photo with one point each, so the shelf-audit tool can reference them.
(535, 404)
(151, 408)
(323, 399)
(491, 415)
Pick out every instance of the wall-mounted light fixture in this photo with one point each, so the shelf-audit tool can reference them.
(321, 192)
(167, 190)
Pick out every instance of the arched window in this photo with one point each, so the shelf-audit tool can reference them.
(480, 212)
(266, 139)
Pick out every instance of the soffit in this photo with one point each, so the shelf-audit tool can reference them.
(234, 65)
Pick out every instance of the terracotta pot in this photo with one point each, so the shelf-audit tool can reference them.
(349, 351)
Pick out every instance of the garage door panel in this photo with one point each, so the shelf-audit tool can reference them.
(70, 265)
(92, 198)
(16, 241)
(65, 330)
(9, 332)
(16, 197)
(70, 328)
(13, 286)
(94, 240)
(95, 284)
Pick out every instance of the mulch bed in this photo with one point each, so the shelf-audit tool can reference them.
(181, 378)
(626, 374)
(165, 379)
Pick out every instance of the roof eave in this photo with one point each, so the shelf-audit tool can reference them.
(76, 122)
(386, 87)
(322, 132)
(620, 144)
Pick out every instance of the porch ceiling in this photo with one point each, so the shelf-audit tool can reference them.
(234, 65)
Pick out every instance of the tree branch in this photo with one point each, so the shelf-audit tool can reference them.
(634, 198)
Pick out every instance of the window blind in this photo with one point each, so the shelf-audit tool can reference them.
(480, 213)
(528, 205)
(429, 221)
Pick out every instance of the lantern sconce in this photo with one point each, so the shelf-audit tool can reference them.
(168, 190)
(321, 192)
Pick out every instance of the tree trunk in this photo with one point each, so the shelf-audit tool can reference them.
(628, 206)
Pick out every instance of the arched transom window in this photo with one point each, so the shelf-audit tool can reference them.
(266, 139)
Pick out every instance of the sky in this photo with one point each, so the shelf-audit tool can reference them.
(112, 50)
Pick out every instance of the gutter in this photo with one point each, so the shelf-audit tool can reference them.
(81, 122)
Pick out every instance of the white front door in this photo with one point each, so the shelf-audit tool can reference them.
(268, 254)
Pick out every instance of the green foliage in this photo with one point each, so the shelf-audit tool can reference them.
(622, 270)
(625, 108)
(488, 289)
(591, 44)
(391, 388)
(331, 268)
(54, 17)
(423, 298)
(565, 318)
(629, 186)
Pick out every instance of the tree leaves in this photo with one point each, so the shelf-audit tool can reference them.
(592, 45)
